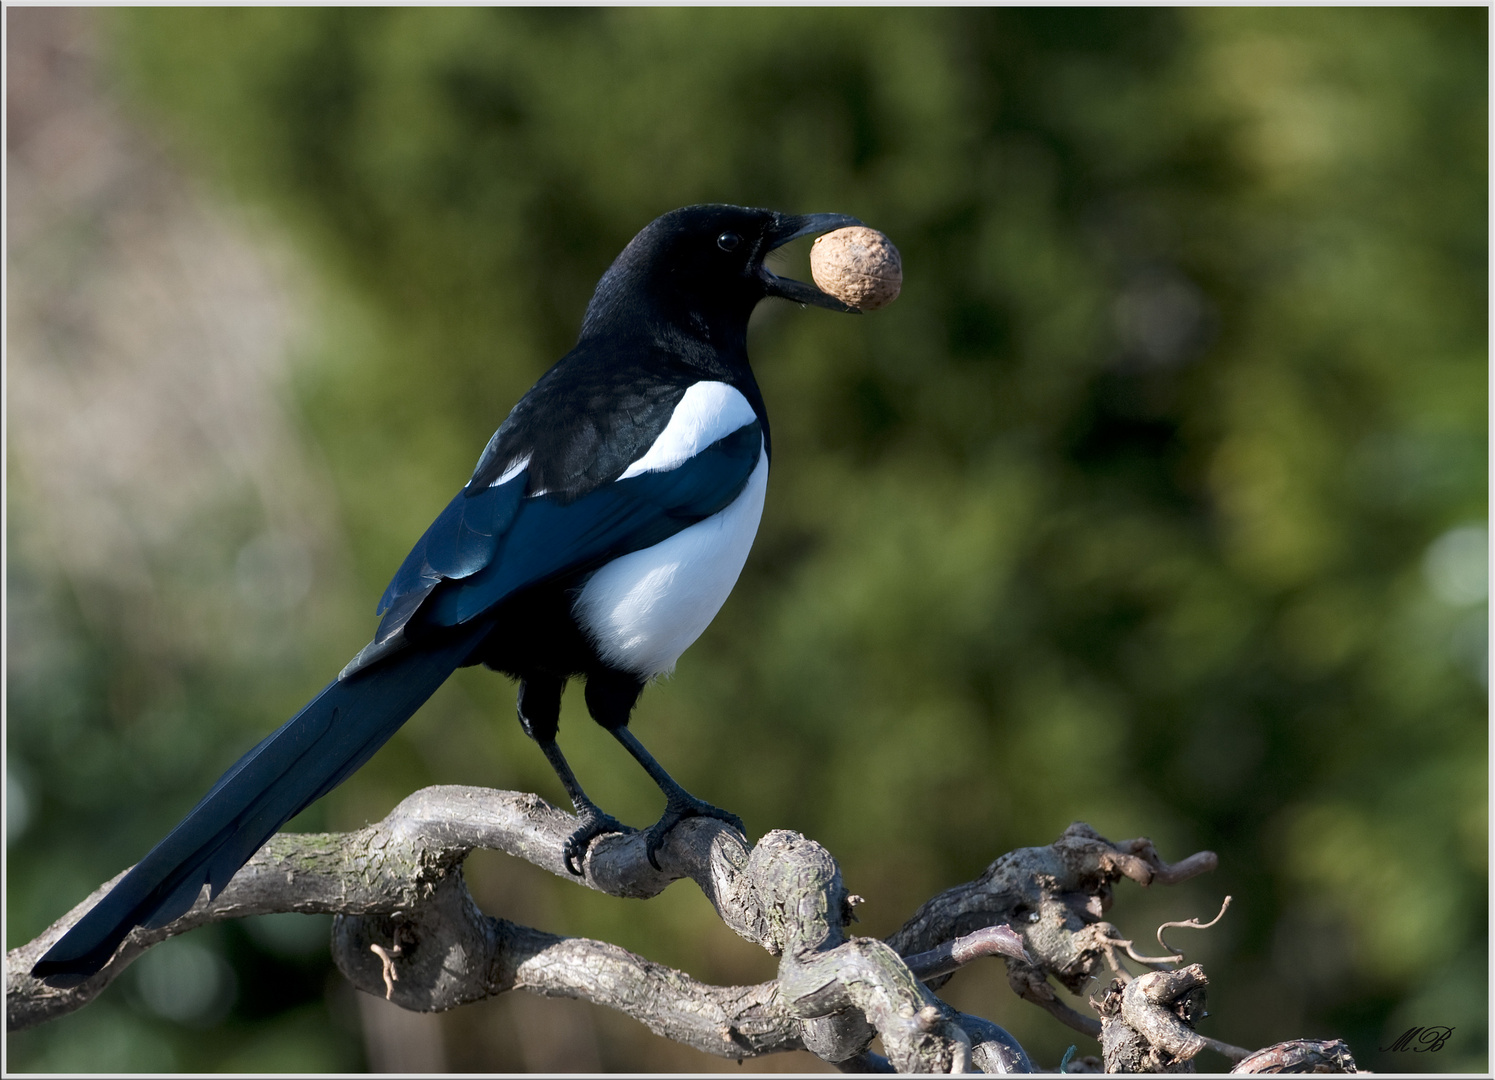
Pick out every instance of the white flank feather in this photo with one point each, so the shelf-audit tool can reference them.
(644, 609)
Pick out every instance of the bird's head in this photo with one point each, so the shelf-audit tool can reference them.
(704, 266)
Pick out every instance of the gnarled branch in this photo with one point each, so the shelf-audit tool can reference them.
(398, 884)
(408, 929)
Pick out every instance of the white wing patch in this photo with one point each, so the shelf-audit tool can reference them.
(644, 609)
(709, 411)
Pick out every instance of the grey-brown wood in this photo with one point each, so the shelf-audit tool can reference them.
(408, 929)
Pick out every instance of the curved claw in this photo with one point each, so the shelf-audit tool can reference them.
(592, 826)
(677, 811)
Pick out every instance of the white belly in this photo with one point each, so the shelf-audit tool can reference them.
(643, 610)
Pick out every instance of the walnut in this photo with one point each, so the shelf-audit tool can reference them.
(857, 265)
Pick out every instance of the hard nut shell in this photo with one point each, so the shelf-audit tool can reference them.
(858, 266)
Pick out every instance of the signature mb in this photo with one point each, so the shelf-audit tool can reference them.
(1420, 1040)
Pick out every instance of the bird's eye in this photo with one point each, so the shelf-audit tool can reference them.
(728, 241)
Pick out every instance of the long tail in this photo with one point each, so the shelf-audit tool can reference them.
(313, 752)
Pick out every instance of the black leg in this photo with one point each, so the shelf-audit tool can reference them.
(540, 715)
(593, 821)
(610, 698)
(679, 803)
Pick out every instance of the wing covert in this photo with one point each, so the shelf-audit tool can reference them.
(489, 544)
(460, 542)
(550, 538)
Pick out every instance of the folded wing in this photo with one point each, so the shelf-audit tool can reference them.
(492, 542)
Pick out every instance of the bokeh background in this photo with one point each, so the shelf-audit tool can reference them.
(1157, 501)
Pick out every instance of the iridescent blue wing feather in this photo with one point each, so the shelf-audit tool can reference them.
(489, 545)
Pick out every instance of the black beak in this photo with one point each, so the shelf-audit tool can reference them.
(792, 228)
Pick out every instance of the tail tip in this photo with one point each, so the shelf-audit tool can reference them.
(62, 974)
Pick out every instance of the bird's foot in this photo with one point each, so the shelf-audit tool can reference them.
(593, 824)
(684, 805)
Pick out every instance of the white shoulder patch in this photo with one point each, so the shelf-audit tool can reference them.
(709, 411)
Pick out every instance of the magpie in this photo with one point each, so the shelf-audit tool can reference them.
(601, 531)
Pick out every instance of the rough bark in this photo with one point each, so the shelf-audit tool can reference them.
(408, 929)
(1300, 1056)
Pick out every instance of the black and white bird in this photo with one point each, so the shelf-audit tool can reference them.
(606, 522)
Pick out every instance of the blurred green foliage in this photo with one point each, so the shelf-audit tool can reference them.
(1142, 506)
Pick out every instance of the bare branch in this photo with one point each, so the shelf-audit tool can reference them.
(407, 929)
(1148, 1023)
(1164, 873)
(953, 955)
(1055, 897)
(1234, 1053)
(398, 885)
(1030, 984)
(1150, 1005)
(1300, 1056)
(1192, 924)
